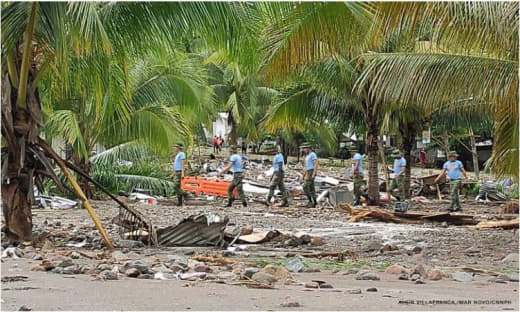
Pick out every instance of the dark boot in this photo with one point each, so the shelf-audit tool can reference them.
(244, 203)
(314, 202)
(229, 203)
(285, 203)
(179, 200)
(268, 201)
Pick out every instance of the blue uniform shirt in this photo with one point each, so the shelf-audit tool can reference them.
(453, 169)
(278, 162)
(399, 165)
(237, 163)
(357, 156)
(177, 166)
(309, 160)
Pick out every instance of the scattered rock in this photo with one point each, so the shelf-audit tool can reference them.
(227, 276)
(290, 303)
(314, 270)
(462, 277)
(189, 252)
(334, 271)
(24, 308)
(139, 265)
(280, 273)
(162, 268)
(202, 268)
(350, 271)
(367, 275)
(246, 230)
(248, 272)
(104, 267)
(145, 276)
(75, 255)
(191, 276)
(415, 277)
(371, 246)
(72, 269)
(119, 255)
(419, 269)
(264, 278)
(311, 285)
(38, 268)
(294, 265)
(108, 275)
(57, 270)
(472, 250)
(404, 277)
(395, 269)
(372, 289)
(354, 291)
(126, 243)
(435, 275)
(388, 247)
(177, 259)
(511, 258)
(132, 272)
(37, 257)
(317, 241)
(420, 280)
(65, 263)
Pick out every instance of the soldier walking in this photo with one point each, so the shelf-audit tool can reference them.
(237, 167)
(178, 174)
(311, 169)
(454, 171)
(277, 179)
(399, 174)
(357, 173)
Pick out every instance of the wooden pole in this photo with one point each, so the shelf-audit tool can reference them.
(79, 192)
(385, 170)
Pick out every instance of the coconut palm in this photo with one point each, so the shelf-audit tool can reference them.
(38, 38)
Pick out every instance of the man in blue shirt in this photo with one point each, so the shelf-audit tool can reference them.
(399, 172)
(357, 173)
(277, 178)
(236, 164)
(454, 170)
(178, 175)
(309, 173)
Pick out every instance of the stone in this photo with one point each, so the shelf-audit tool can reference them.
(371, 246)
(317, 241)
(294, 265)
(104, 267)
(313, 270)
(435, 275)
(248, 272)
(65, 263)
(227, 276)
(191, 276)
(161, 268)
(419, 269)
(119, 255)
(202, 268)
(326, 285)
(139, 265)
(462, 277)
(404, 277)
(367, 275)
(194, 263)
(290, 303)
(108, 275)
(280, 273)
(72, 269)
(388, 247)
(334, 271)
(395, 269)
(177, 259)
(420, 280)
(189, 252)
(372, 289)
(127, 243)
(132, 272)
(415, 277)
(264, 278)
(246, 230)
(311, 285)
(37, 257)
(57, 270)
(145, 276)
(38, 268)
(350, 271)
(472, 250)
(511, 258)
(48, 265)
(354, 291)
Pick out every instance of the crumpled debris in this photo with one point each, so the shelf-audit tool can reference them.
(55, 202)
(196, 230)
(489, 191)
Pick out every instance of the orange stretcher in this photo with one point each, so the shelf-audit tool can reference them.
(205, 186)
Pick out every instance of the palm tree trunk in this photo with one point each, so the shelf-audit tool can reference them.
(20, 119)
(407, 146)
(373, 176)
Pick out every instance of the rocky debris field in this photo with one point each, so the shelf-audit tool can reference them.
(369, 254)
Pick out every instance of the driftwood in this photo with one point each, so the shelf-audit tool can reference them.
(357, 214)
(506, 224)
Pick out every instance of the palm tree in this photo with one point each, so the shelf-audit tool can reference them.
(40, 37)
(468, 50)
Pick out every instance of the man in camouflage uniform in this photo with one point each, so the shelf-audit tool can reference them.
(277, 179)
(311, 169)
(399, 171)
(357, 173)
(178, 174)
(454, 170)
(237, 167)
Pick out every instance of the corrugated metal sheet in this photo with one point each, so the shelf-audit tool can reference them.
(199, 230)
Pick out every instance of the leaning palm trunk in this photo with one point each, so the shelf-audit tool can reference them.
(21, 116)
(408, 133)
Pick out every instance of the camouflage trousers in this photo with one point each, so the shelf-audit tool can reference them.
(454, 191)
(177, 190)
(236, 183)
(398, 182)
(358, 183)
(308, 185)
(277, 181)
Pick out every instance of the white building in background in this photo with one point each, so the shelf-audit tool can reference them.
(220, 126)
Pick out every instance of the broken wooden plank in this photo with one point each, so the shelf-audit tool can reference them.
(506, 224)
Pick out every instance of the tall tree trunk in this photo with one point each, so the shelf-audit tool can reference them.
(474, 154)
(233, 133)
(82, 181)
(373, 172)
(21, 116)
(408, 134)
